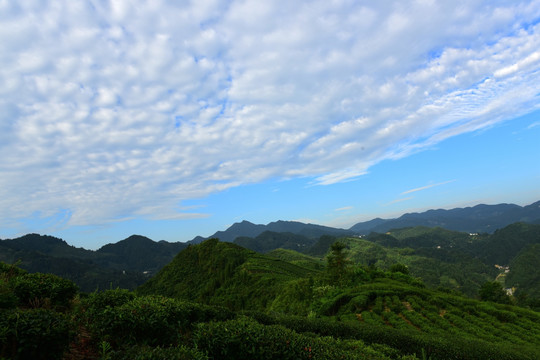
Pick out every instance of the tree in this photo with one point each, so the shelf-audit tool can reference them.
(404, 269)
(337, 263)
(493, 291)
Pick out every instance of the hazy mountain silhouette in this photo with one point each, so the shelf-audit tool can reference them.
(477, 219)
(248, 229)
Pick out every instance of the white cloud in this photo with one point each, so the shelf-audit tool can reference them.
(345, 208)
(125, 108)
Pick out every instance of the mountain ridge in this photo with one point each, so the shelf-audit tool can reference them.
(475, 219)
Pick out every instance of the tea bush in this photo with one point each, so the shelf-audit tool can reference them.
(98, 301)
(34, 334)
(38, 290)
(160, 353)
(151, 320)
(245, 338)
(8, 300)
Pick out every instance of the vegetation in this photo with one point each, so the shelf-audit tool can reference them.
(388, 313)
(126, 264)
(525, 271)
(398, 295)
(220, 273)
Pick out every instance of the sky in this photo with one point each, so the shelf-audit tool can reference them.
(172, 119)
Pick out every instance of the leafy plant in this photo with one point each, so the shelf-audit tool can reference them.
(37, 290)
(34, 334)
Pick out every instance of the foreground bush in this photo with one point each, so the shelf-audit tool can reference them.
(159, 353)
(43, 290)
(145, 320)
(33, 334)
(245, 338)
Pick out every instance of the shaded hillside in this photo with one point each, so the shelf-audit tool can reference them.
(525, 272)
(223, 273)
(114, 265)
(320, 248)
(270, 240)
(476, 219)
(88, 275)
(48, 245)
(506, 243)
(138, 253)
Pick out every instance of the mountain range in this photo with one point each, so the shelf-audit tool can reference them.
(477, 219)
(130, 262)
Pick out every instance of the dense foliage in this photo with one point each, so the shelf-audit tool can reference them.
(219, 273)
(34, 323)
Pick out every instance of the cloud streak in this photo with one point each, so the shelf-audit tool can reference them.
(119, 109)
(426, 187)
(345, 208)
(398, 201)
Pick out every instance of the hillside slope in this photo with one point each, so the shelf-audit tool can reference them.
(125, 264)
(223, 273)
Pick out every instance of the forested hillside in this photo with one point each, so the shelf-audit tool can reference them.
(221, 273)
(126, 264)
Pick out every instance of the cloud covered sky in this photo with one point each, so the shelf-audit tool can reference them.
(112, 111)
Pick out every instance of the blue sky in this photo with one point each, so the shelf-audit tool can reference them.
(177, 120)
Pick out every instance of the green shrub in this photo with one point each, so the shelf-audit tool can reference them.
(43, 290)
(10, 270)
(151, 320)
(113, 297)
(8, 300)
(159, 353)
(99, 301)
(34, 334)
(244, 338)
(401, 268)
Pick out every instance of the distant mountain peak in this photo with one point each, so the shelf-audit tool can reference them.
(475, 219)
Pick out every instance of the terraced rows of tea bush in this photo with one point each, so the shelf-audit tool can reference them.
(421, 311)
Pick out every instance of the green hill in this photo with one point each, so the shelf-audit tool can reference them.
(438, 267)
(296, 258)
(126, 264)
(270, 240)
(525, 272)
(138, 253)
(226, 274)
(506, 243)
